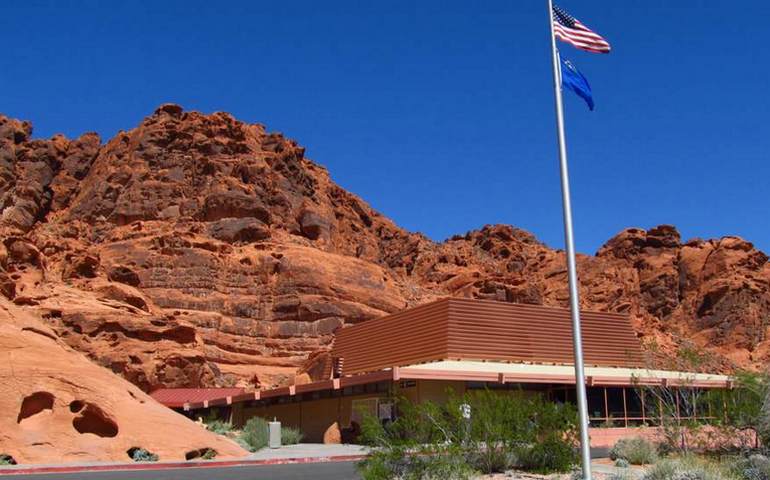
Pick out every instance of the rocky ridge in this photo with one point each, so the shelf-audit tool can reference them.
(197, 250)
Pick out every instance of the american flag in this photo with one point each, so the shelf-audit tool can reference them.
(568, 29)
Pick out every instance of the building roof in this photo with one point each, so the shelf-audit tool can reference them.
(484, 341)
(467, 329)
(177, 397)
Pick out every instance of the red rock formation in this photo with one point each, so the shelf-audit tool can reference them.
(199, 250)
(58, 407)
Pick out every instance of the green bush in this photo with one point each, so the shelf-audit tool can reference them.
(6, 459)
(504, 430)
(548, 456)
(255, 434)
(290, 436)
(510, 430)
(209, 454)
(636, 451)
(497, 427)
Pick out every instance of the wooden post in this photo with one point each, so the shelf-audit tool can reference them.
(724, 409)
(606, 408)
(678, 416)
(660, 410)
(641, 397)
(625, 408)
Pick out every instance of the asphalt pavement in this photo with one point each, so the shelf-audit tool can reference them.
(298, 471)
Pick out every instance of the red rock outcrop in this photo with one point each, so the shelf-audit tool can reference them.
(198, 250)
(59, 407)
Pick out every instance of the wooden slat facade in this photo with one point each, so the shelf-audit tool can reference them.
(467, 329)
(486, 330)
(411, 336)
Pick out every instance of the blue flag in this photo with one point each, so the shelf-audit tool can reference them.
(574, 80)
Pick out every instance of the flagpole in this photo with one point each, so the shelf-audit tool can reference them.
(580, 384)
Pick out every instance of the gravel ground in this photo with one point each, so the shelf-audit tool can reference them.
(602, 470)
(533, 476)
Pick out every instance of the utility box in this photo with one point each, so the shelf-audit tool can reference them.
(274, 437)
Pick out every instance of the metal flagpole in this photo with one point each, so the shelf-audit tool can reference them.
(580, 384)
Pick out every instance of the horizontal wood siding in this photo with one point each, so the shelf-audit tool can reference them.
(466, 329)
(412, 336)
(486, 330)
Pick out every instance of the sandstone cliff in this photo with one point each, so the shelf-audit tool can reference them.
(198, 250)
(59, 407)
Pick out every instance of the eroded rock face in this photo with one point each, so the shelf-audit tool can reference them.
(197, 250)
(59, 407)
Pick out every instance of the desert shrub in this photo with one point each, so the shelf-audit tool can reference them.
(636, 451)
(255, 434)
(6, 459)
(622, 463)
(439, 462)
(491, 459)
(214, 424)
(209, 454)
(576, 473)
(754, 467)
(219, 427)
(685, 468)
(423, 443)
(290, 436)
(663, 470)
(428, 440)
(142, 455)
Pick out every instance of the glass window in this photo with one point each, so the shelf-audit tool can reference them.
(595, 402)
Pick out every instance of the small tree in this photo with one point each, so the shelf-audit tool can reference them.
(684, 410)
(743, 408)
(678, 405)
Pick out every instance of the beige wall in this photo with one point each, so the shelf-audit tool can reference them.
(287, 413)
(438, 391)
(314, 417)
(318, 416)
(430, 390)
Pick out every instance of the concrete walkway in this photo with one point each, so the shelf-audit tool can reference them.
(309, 450)
(606, 467)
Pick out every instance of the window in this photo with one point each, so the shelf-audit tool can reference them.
(362, 407)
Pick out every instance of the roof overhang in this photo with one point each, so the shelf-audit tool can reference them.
(498, 372)
(565, 374)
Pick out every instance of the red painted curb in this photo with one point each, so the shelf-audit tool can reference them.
(177, 465)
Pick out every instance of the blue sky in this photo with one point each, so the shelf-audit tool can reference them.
(438, 113)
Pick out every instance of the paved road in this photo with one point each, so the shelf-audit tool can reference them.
(316, 471)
